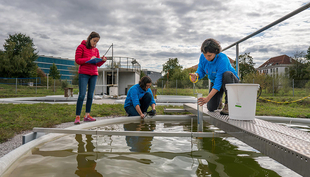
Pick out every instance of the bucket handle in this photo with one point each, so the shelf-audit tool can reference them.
(259, 91)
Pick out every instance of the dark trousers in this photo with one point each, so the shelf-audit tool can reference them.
(228, 77)
(145, 102)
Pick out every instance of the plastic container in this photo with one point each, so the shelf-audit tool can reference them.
(242, 100)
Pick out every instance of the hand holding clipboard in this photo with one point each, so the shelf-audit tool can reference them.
(96, 60)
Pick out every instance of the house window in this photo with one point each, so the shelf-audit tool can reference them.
(276, 70)
(270, 70)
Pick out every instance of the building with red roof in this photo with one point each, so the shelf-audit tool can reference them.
(276, 65)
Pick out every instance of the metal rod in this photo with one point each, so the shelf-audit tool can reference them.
(129, 133)
(237, 59)
(199, 114)
(270, 25)
(112, 64)
(47, 82)
(108, 50)
(176, 87)
(293, 87)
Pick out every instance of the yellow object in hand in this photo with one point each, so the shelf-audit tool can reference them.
(191, 79)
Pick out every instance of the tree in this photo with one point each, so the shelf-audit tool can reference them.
(17, 59)
(246, 65)
(299, 71)
(308, 54)
(170, 67)
(142, 74)
(54, 73)
(75, 71)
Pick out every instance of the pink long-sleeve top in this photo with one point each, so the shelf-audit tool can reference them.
(82, 55)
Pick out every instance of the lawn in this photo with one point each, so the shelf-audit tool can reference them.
(15, 118)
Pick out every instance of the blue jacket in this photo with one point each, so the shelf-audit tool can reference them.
(134, 95)
(215, 69)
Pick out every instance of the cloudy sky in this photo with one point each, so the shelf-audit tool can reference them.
(154, 31)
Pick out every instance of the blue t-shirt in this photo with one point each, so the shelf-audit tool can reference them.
(215, 69)
(134, 95)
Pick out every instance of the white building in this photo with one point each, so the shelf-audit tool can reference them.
(153, 75)
(276, 65)
(117, 75)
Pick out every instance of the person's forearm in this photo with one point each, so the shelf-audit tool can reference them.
(138, 110)
(211, 94)
(153, 106)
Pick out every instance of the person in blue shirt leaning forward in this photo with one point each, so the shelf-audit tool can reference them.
(220, 72)
(139, 98)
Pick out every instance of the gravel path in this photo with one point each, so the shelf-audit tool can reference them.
(17, 140)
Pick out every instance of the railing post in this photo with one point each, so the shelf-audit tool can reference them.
(237, 59)
(162, 87)
(16, 86)
(36, 84)
(293, 87)
(176, 87)
(272, 86)
(47, 82)
(199, 115)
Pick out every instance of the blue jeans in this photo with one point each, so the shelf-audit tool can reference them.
(85, 80)
(145, 102)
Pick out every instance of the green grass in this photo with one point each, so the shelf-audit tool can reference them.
(283, 110)
(10, 91)
(15, 118)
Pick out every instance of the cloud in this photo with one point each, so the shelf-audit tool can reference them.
(154, 31)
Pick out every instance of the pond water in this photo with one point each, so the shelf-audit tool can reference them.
(90, 155)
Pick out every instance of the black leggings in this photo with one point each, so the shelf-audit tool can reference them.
(228, 77)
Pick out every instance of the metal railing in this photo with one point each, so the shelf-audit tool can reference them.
(122, 62)
(263, 29)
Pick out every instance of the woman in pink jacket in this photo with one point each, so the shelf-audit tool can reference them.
(87, 74)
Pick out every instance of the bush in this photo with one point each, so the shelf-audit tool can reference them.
(64, 84)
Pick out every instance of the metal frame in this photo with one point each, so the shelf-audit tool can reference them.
(130, 133)
(288, 146)
(263, 29)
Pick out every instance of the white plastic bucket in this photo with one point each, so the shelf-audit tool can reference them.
(242, 100)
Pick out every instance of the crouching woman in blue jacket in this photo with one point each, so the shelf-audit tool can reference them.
(139, 98)
(217, 66)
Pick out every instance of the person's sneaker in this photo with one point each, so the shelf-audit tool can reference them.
(225, 110)
(77, 120)
(89, 119)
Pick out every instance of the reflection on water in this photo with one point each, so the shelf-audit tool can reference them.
(139, 143)
(85, 167)
(86, 155)
(226, 160)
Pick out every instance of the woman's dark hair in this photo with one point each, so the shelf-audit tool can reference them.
(211, 45)
(92, 35)
(143, 81)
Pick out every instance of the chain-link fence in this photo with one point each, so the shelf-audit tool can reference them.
(284, 87)
(16, 87)
(272, 87)
(181, 87)
(269, 87)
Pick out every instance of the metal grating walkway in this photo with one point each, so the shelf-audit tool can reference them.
(288, 146)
